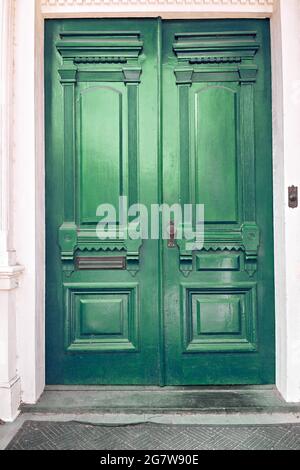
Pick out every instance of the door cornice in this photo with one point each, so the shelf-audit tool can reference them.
(165, 9)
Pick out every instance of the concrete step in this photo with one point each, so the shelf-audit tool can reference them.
(129, 399)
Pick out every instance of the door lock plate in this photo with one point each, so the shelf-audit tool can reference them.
(293, 196)
(171, 241)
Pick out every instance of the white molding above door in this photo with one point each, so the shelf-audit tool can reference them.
(164, 8)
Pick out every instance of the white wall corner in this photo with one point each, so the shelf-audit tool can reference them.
(9, 271)
(279, 201)
(286, 143)
(290, 25)
(10, 393)
(7, 255)
(29, 221)
(10, 277)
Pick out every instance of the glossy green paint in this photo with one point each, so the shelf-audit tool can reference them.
(219, 320)
(100, 143)
(102, 325)
(215, 124)
(159, 111)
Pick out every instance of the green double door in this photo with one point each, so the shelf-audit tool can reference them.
(159, 112)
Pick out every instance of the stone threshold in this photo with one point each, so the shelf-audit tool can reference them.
(163, 400)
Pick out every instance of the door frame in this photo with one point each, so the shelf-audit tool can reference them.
(28, 174)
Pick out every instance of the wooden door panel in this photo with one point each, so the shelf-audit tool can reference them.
(159, 112)
(102, 324)
(101, 147)
(219, 311)
(215, 151)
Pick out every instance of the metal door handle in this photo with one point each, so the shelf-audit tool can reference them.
(171, 241)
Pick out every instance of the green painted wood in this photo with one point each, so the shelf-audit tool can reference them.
(162, 112)
(101, 148)
(215, 121)
(101, 142)
(184, 146)
(219, 314)
(218, 262)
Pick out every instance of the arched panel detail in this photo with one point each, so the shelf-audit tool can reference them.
(215, 151)
(100, 150)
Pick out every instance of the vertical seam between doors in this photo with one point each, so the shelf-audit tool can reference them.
(162, 379)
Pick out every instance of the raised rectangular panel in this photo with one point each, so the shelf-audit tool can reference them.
(101, 149)
(217, 262)
(219, 319)
(101, 317)
(218, 316)
(215, 120)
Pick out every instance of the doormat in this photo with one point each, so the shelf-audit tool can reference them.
(49, 435)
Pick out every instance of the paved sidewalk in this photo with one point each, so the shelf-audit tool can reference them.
(47, 435)
(286, 425)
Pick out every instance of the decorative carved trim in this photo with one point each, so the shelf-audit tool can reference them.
(9, 276)
(163, 8)
(223, 248)
(156, 3)
(214, 60)
(198, 53)
(215, 46)
(99, 46)
(100, 60)
(246, 240)
(113, 246)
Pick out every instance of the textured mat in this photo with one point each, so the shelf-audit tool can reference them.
(48, 435)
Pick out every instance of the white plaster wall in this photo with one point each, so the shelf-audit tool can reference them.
(278, 201)
(286, 98)
(6, 141)
(290, 250)
(9, 271)
(40, 198)
(29, 196)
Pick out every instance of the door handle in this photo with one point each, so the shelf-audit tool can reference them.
(171, 241)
